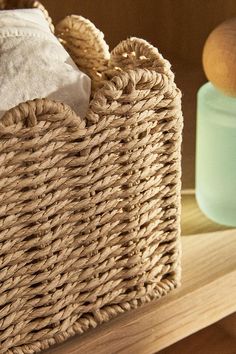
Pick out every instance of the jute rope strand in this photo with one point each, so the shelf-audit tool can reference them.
(90, 209)
(86, 45)
(139, 53)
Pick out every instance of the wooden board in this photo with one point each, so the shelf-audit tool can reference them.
(178, 28)
(207, 294)
(193, 221)
(219, 338)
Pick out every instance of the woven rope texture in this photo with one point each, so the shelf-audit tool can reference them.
(89, 209)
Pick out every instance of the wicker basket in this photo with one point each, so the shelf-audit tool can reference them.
(90, 209)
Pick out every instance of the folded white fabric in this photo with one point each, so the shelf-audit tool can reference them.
(33, 64)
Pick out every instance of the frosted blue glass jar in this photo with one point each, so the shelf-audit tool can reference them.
(216, 155)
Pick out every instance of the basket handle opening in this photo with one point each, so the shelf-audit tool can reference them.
(135, 53)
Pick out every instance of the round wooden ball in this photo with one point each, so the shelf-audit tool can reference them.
(219, 57)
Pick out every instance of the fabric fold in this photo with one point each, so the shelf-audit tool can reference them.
(34, 64)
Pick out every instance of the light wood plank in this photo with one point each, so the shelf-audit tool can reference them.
(216, 339)
(207, 294)
(178, 28)
(193, 221)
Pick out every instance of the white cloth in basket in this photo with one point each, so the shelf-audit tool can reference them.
(33, 64)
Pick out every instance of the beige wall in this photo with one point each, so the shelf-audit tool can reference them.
(177, 27)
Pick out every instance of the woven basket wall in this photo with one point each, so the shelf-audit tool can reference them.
(90, 209)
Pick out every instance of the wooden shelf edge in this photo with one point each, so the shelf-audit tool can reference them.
(219, 338)
(207, 294)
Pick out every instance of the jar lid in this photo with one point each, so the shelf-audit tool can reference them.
(219, 57)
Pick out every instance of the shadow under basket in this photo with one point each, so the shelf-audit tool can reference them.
(90, 208)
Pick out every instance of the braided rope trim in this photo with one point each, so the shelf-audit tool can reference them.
(92, 321)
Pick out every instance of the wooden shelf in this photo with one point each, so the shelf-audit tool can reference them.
(219, 338)
(193, 221)
(207, 295)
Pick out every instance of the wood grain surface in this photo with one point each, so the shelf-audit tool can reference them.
(178, 28)
(193, 221)
(219, 338)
